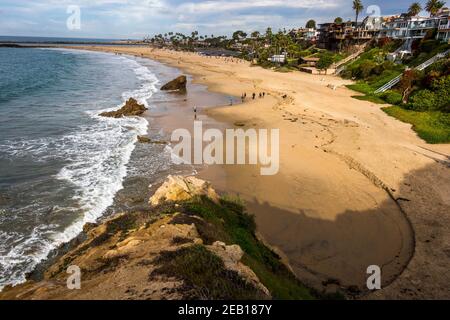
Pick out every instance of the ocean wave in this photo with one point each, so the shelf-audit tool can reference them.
(97, 156)
(148, 84)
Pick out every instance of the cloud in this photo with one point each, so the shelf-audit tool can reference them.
(125, 18)
(219, 6)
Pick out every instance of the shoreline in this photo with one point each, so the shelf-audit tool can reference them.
(331, 126)
(145, 165)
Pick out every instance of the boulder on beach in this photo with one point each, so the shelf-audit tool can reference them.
(178, 84)
(179, 188)
(145, 139)
(4, 199)
(131, 108)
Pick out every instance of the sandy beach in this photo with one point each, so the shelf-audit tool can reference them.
(355, 186)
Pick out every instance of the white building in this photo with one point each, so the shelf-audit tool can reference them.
(305, 33)
(443, 32)
(372, 23)
(405, 27)
(410, 28)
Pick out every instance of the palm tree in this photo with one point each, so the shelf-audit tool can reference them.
(433, 6)
(414, 9)
(358, 7)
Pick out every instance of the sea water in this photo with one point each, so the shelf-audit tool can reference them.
(61, 164)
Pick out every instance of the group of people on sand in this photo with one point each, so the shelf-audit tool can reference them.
(261, 95)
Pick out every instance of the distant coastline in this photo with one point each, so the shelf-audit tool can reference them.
(24, 41)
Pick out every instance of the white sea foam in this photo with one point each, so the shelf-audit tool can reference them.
(148, 86)
(98, 157)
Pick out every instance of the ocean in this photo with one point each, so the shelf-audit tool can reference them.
(61, 165)
(47, 40)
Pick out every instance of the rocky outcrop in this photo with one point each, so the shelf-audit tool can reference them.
(154, 254)
(4, 199)
(131, 108)
(178, 84)
(145, 139)
(178, 188)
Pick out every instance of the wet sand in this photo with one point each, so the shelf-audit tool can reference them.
(168, 111)
(355, 188)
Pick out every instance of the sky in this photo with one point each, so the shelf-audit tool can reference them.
(134, 19)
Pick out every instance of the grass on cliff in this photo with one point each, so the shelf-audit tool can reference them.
(204, 275)
(432, 126)
(228, 222)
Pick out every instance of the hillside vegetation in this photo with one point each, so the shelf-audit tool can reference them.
(422, 98)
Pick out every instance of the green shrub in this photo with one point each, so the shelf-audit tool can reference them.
(346, 74)
(428, 45)
(389, 65)
(365, 70)
(378, 69)
(423, 100)
(392, 97)
(441, 87)
(441, 66)
(325, 61)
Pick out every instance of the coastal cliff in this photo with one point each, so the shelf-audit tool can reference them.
(189, 244)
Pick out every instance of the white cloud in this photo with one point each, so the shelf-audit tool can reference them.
(123, 18)
(217, 5)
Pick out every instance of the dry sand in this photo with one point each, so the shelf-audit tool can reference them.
(355, 187)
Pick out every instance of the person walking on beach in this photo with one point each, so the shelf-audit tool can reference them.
(264, 94)
(195, 113)
(253, 96)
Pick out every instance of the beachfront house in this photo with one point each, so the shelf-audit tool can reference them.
(304, 34)
(443, 31)
(334, 36)
(407, 27)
